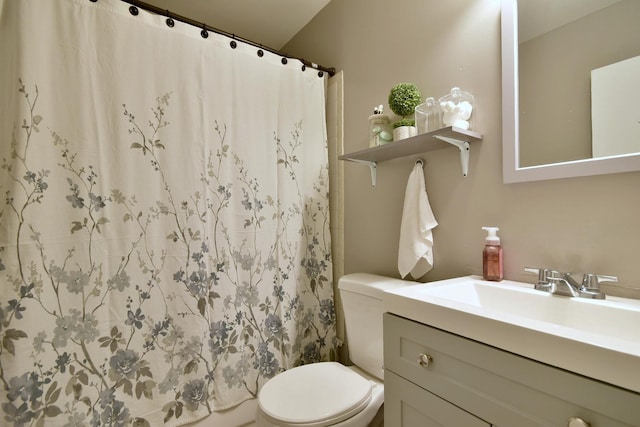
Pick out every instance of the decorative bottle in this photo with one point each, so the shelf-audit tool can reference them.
(492, 256)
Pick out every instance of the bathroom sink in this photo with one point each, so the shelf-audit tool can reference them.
(597, 338)
(583, 316)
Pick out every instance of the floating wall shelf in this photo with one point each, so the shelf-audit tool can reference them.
(424, 142)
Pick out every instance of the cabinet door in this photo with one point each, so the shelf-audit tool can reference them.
(505, 389)
(407, 405)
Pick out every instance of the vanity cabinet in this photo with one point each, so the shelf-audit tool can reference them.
(436, 378)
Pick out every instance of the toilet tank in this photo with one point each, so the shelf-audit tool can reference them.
(361, 295)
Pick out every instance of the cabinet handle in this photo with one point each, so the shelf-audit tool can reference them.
(577, 422)
(425, 360)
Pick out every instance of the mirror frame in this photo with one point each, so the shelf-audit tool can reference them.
(511, 172)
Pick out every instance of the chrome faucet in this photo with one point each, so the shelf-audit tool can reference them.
(558, 283)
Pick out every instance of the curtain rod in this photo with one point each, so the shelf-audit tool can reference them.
(184, 19)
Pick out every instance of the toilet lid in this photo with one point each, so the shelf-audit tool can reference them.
(318, 394)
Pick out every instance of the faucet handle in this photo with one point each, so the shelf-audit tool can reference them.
(538, 271)
(591, 285)
(543, 277)
(542, 273)
(592, 281)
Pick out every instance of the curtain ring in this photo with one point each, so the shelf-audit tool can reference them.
(284, 61)
(133, 10)
(204, 33)
(169, 21)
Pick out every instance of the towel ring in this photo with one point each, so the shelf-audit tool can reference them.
(420, 162)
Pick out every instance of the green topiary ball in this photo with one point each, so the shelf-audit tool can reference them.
(404, 98)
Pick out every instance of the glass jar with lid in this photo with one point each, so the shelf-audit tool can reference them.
(380, 132)
(428, 116)
(457, 109)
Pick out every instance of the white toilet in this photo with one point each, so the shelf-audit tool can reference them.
(328, 393)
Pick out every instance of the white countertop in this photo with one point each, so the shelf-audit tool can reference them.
(548, 328)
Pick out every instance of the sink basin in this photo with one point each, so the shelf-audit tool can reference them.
(596, 338)
(582, 316)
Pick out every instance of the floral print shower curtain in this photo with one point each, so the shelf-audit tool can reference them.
(164, 227)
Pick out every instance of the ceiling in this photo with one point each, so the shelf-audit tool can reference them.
(537, 17)
(271, 23)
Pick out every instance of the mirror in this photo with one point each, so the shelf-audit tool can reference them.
(518, 163)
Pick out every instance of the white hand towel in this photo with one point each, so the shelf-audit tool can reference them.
(415, 253)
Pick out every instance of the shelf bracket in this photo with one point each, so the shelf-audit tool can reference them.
(372, 168)
(463, 146)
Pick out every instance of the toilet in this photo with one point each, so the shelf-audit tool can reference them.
(329, 393)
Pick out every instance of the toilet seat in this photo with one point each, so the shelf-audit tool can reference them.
(315, 395)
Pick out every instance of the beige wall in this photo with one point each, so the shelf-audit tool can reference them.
(577, 224)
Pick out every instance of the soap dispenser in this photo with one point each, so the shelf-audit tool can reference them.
(492, 256)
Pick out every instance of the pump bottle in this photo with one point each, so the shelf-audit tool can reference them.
(492, 256)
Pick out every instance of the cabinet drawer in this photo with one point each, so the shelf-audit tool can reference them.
(411, 406)
(498, 386)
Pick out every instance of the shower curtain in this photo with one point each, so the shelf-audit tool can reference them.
(164, 226)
